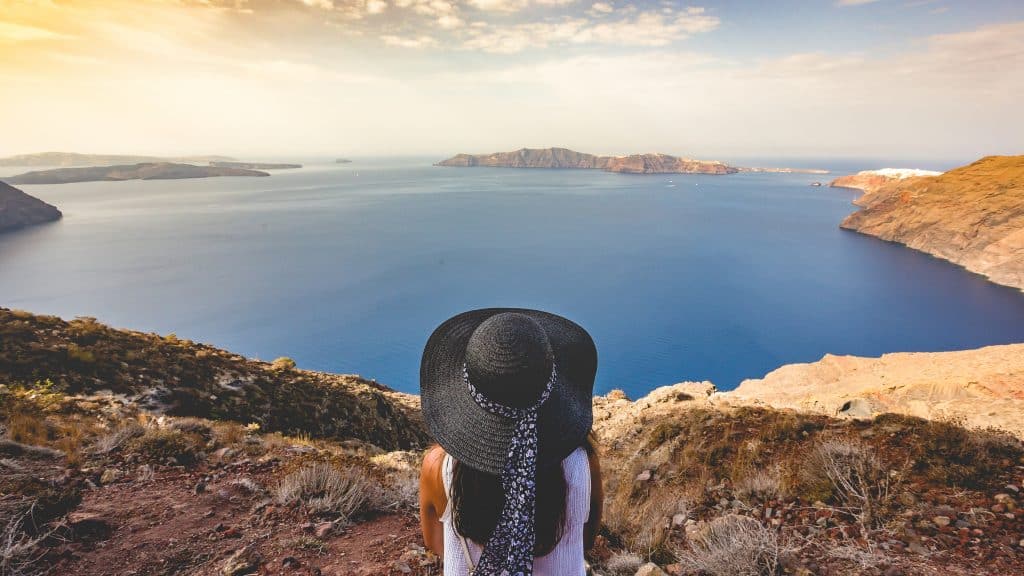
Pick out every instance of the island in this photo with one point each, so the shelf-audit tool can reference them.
(255, 165)
(145, 171)
(18, 210)
(72, 159)
(565, 158)
(972, 216)
(342, 161)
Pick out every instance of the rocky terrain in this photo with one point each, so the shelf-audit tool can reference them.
(255, 165)
(972, 216)
(73, 159)
(565, 158)
(130, 453)
(978, 388)
(18, 209)
(144, 171)
(868, 181)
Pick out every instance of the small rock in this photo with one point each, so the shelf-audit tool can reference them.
(941, 521)
(1013, 488)
(109, 476)
(291, 562)
(199, 488)
(678, 520)
(650, 569)
(644, 476)
(241, 563)
(324, 529)
(1003, 498)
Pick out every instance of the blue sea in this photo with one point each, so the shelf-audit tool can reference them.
(348, 268)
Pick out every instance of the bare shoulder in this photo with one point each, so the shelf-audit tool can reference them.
(430, 473)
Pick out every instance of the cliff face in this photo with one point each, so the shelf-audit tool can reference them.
(145, 171)
(665, 164)
(981, 388)
(565, 158)
(18, 209)
(529, 158)
(870, 180)
(972, 216)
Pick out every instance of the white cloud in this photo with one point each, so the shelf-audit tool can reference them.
(422, 41)
(854, 2)
(601, 8)
(376, 6)
(322, 4)
(643, 29)
(450, 22)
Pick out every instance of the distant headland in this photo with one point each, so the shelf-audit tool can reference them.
(72, 159)
(18, 210)
(255, 165)
(563, 158)
(144, 171)
(972, 216)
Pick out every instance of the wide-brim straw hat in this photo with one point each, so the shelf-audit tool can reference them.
(508, 354)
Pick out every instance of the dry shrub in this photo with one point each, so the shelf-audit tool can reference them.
(623, 564)
(732, 545)
(401, 479)
(763, 485)
(645, 525)
(27, 429)
(163, 444)
(857, 479)
(20, 552)
(324, 488)
(116, 439)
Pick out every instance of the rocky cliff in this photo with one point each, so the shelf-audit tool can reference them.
(870, 180)
(980, 388)
(565, 158)
(18, 209)
(972, 216)
(144, 171)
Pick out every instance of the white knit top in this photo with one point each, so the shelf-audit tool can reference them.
(567, 557)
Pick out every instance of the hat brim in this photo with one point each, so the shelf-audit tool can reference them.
(480, 439)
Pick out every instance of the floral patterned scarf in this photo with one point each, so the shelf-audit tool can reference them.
(509, 551)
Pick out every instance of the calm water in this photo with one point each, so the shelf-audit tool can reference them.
(349, 268)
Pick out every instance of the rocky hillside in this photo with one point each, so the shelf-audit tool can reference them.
(145, 171)
(123, 453)
(167, 375)
(18, 209)
(979, 388)
(972, 216)
(870, 180)
(565, 158)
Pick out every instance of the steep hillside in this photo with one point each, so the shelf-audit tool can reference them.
(870, 180)
(166, 375)
(972, 216)
(18, 209)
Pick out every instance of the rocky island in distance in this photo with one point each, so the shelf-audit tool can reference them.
(144, 171)
(564, 158)
(255, 165)
(74, 159)
(19, 210)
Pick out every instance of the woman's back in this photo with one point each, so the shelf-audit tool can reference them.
(567, 557)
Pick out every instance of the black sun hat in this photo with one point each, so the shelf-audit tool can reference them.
(512, 356)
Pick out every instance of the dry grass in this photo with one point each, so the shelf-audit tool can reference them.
(324, 488)
(19, 553)
(855, 476)
(732, 545)
(761, 485)
(623, 564)
(116, 439)
(27, 429)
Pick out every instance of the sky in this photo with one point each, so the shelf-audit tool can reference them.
(265, 79)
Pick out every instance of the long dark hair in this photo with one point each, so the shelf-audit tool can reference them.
(477, 500)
